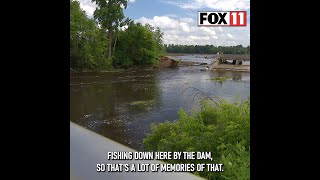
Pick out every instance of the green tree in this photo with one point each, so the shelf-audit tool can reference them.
(109, 14)
(157, 36)
(87, 42)
(138, 45)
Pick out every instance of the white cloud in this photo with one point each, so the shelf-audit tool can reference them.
(187, 20)
(185, 31)
(198, 38)
(208, 30)
(214, 37)
(224, 5)
(89, 9)
(229, 35)
(227, 5)
(170, 15)
(162, 22)
(231, 43)
(89, 6)
(124, 27)
(184, 26)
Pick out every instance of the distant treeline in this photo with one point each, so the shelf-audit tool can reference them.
(102, 42)
(206, 49)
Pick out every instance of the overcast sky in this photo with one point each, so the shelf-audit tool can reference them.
(178, 20)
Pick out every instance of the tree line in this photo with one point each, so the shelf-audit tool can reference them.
(102, 42)
(206, 49)
(110, 40)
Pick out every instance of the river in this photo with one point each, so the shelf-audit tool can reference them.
(201, 58)
(123, 105)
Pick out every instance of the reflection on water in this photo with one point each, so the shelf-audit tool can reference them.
(122, 105)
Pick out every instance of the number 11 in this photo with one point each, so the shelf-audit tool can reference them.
(234, 18)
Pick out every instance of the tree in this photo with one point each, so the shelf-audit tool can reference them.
(138, 45)
(87, 42)
(109, 14)
(157, 35)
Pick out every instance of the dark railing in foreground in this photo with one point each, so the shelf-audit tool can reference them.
(87, 149)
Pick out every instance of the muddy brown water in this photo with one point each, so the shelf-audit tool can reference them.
(123, 105)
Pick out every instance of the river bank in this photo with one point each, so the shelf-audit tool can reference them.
(77, 71)
(185, 60)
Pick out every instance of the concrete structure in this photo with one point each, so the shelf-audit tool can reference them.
(87, 149)
(236, 64)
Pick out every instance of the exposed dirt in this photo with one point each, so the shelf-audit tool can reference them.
(166, 62)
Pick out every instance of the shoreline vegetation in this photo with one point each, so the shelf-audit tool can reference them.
(219, 127)
(112, 41)
(181, 63)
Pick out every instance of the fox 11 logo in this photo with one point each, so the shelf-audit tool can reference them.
(222, 18)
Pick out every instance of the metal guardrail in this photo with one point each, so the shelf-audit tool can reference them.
(87, 149)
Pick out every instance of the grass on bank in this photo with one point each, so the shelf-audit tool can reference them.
(223, 129)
